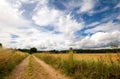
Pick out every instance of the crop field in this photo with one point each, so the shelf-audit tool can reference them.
(19, 65)
(105, 57)
(85, 66)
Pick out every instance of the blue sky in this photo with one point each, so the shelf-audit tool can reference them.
(59, 24)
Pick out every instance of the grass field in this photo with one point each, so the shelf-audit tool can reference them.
(105, 57)
(8, 60)
(74, 66)
(85, 66)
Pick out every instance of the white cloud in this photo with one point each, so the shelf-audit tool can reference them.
(87, 5)
(117, 6)
(107, 27)
(45, 16)
(13, 23)
(10, 22)
(41, 39)
(72, 4)
(68, 26)
(61, 21)
(83, 5)
(99, 10)
(10, 16)
(93, 24)
(100, 39)
(27, 1)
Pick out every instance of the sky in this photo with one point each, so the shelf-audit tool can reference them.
(59, 24)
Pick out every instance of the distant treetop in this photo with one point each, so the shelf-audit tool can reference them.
(33, 50)
(71, 48)
(0, 44)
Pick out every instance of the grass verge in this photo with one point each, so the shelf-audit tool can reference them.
(8, 61)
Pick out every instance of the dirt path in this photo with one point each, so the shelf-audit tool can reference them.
(19, 71)
(36, 71)
(34, 68)
(50, 70)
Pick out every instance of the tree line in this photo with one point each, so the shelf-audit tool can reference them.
(34, 50)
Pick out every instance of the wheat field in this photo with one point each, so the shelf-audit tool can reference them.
(105, 57)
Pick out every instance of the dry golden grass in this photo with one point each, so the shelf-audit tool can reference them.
(96, 57)
(85, 69)
(4, 55)
(9, 55)
(106, 57)
(9, 59)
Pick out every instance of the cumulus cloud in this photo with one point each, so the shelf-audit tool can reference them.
(62, 22)
(68, 26)
(103, 34)
(18, 32)
(45, 16)
(10, 21)
(100, 39)
(10, 16)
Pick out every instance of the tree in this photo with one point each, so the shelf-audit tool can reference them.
(33, 50)
(0, 44)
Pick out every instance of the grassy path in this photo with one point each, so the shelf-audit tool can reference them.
(36, 71)
(34, 68)
(19, 71)
(54, 74)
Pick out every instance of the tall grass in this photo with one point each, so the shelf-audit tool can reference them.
(82, 69)
(71, 61)
(30, 67)
(8, 60)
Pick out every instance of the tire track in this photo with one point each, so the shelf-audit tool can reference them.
(20, 71)
(50, 70)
